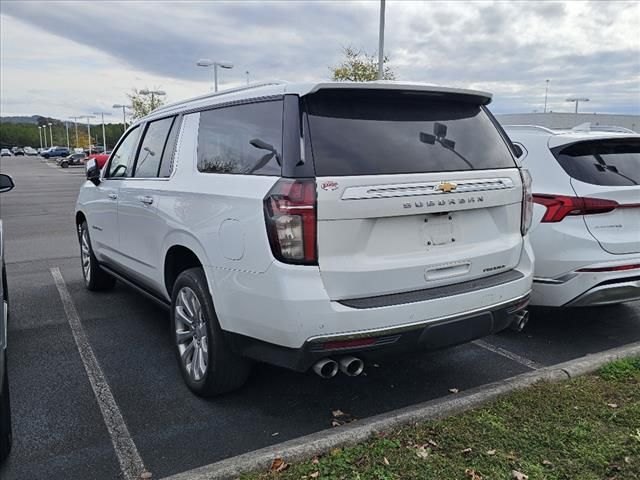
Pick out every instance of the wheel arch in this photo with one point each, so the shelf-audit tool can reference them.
(178, 259)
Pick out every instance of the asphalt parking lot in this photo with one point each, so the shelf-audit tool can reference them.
(59, 431)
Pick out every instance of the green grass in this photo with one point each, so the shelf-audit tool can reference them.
(586, 428)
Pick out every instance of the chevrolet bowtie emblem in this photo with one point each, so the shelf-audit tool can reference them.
(447, 187)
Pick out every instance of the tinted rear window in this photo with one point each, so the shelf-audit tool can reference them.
(614, 162)
(356, 132)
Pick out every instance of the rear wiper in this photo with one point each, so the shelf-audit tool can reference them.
(439, 136)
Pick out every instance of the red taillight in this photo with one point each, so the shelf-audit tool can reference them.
(290, 215)
(619, 268)
(559, 206)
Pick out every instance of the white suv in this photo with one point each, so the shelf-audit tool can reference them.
(313, 225)
(586, 227)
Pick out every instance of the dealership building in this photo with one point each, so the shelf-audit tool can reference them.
(569, 120)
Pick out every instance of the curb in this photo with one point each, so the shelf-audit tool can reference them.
(326, 440)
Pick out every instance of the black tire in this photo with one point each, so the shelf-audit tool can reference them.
(95, 277)
(64, 164)
(225, 371)
(5, 416)
(46, 156)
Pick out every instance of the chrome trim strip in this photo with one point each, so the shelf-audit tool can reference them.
(377, 332)
(425, 188)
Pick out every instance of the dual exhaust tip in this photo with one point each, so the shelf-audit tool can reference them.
(328, 368)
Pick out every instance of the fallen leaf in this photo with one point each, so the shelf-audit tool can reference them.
(275, 434)
(278, 465)
(314, 475)
(335, 423)
(627, 459)
(547, 463)
(491, 452)
(454, 390)
(512, 456)
(432, 443)
(516, 475)
(337, 413)
(375, 365)
(467, 450)
(335, 451)
(315, 461)
(422, 452)
(145, 475)
(612, 405)
(471, 473)
(385, 461)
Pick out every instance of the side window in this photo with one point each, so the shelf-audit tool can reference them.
(122, 158)
(166, 166)
(152, 148)
(242, 139)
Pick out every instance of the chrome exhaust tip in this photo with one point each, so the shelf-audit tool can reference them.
(351, 366)
(520, 320)
(326, 368)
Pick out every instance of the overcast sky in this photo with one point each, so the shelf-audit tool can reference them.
(71, 58)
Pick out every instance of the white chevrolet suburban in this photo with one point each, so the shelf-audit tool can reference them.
(313, 225)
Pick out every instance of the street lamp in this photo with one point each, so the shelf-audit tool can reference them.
(205, 62)
(75, 123)
(124, 113)
(50, 132)
(153, 94)
(66, 124)
(577, 100)
(40, 135)
(247, 74)
(89, 117)
(546, 92)
(381, 42)
(104, 136)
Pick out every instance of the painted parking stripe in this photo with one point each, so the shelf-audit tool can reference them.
(131, 463)
(506, 353)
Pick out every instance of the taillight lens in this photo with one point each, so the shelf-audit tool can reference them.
(559, 206)
(527, 201)
(290, 215)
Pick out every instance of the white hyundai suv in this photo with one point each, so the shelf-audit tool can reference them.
(586, 222)
(313, 225)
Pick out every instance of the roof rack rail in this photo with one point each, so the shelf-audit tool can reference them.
(215, 94)
(539, 128)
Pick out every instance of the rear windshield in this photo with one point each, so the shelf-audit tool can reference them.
(355, 132)
(614, 162)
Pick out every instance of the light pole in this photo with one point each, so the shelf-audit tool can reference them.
(205, 62)
(247, 74)
(124, 113)
(40, 135)
(66, 124)
(577, 100)
(546, 92)
(381, 42)
(104, 136)
(153, 94)
(89, 117)
(50, 132)
(75, 123)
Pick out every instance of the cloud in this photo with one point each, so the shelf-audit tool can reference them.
(82, 54)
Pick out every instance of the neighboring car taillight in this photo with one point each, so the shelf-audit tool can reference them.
(290, 215)
(559, 206)
(527, 201)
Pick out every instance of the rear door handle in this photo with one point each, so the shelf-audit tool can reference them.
(145, 199)
(113, 196)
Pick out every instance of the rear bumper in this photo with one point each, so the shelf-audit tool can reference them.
(427, 335)
(609, 293)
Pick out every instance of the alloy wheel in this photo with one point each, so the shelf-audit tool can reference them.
(85, 255)
(191, 334)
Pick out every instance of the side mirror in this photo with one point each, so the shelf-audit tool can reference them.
(93, 172)
(6, 183)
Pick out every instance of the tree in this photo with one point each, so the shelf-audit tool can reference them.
(142, 105)
(359, 66)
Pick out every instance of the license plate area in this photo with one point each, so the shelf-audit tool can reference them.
(437, 230)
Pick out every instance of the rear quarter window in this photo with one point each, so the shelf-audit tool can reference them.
(373, 132)
(611, 162)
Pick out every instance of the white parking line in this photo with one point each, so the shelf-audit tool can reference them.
(131, 464)
(506, 353)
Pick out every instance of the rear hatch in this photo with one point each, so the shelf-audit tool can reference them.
(609, 170)
(413, 191)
